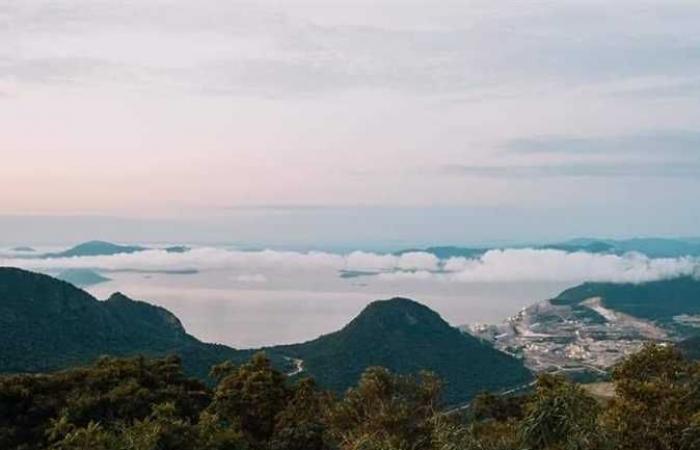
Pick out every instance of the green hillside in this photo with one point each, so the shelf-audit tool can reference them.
(407, 337)
(657, 300)
(48, 324)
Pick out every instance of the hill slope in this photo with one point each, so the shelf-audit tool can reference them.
(407, 337)
(47, 324)
(659, 301)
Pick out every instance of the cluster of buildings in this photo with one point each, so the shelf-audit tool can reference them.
(582, 339)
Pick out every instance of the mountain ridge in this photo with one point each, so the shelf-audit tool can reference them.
(47, 324)
(406, 337)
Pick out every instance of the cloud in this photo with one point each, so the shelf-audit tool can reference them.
(495, 266)
(68, 70)
(418, 261)
(660, 87)
(602, 169)
(658, 154)
(403, 275)
(207, 258)
(271, 48)
(664, 143)
(555, 265)
(252, 278)
(373, 262)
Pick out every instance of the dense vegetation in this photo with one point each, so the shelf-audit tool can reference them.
(140, 404)
(657, 300)
(47, 324)
(408, 337)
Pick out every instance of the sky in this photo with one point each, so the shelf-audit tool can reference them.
(348, 123)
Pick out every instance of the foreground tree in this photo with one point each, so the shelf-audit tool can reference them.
(657, 401)
(561, 416)
(301, 425)
(107, 393)
(139, 404)
(250, 397)
(387, 411)
(272, 414)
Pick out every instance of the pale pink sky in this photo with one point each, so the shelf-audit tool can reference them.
(168, 108)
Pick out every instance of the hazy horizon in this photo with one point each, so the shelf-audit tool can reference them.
(251, 298)
(376, 229)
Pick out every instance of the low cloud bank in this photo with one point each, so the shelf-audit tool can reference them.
(555, 265)
(509, 265)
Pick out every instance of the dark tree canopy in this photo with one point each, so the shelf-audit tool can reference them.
(149, 404)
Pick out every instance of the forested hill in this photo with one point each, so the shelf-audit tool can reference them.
(407, 337)
(660, 301)
(48, 324)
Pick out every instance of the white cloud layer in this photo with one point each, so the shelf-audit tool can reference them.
(509, 265)
(555, 265)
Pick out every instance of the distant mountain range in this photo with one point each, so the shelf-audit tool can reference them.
(651, 247)
(103, 248)
(95, 248)
(48, 324)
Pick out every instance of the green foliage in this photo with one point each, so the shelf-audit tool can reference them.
(407, 337)
(142, 404)
(268, 411)
(656, 300)
(301, 426)
(387, 411)
(489, 406)
(560, 416)
(690, 439)
(91, 437)
(251, 397)
(48, 325)
(489, 435)
(657, 401)
(110, 391)
(163, 429)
